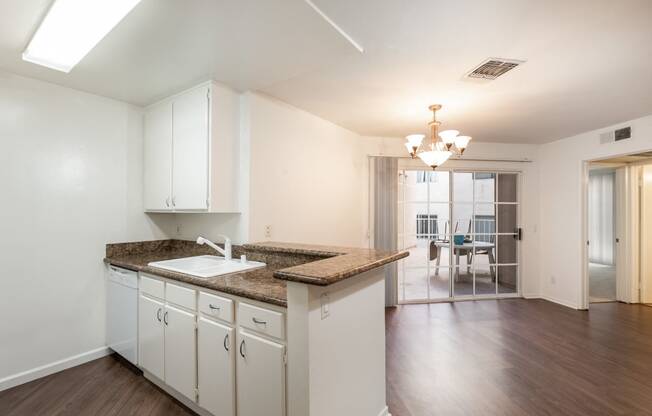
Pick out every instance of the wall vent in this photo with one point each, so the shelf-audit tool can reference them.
(622, 134)
(616, 135)
(492, 68)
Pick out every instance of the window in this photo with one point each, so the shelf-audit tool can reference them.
(423, 174)
(426, 225)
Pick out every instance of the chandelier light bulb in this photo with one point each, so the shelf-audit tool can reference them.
(412, 150)
(415, 139)
(434, 158)
(448, 136)
(461, 142)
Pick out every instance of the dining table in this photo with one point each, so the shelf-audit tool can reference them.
(464, 249)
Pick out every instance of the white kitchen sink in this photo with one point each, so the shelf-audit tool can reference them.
(206, 266)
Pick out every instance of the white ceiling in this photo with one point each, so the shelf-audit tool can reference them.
(589, 62)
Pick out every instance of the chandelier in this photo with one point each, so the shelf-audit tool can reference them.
(442, 145)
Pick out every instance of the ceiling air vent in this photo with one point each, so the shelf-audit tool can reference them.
(616, 135)
(492, 68)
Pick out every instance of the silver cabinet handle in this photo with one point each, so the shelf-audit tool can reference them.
(158, 314)
(241, 351)
(226, 342)
(167, 202)
(213, 307)
(165, 318)
(256, 321)
(174, 201)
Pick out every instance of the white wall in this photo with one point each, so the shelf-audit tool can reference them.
(71, 173)
(306, 177)
(561, 173)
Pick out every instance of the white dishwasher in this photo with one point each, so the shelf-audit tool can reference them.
(122, 313)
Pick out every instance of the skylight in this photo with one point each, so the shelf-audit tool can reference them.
(72, 28)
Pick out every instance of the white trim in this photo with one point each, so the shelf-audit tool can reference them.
(560, 302)
(531, 296)
(385, 412)
(51, 368)
(584, 250)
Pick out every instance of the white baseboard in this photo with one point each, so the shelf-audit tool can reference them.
(47, 369)
(560, 302)
(531, 296)
(384, 412)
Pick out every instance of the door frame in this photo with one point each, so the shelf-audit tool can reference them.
(628, 265)
(519, 264)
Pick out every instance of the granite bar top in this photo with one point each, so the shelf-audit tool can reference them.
(337, 263)
(311, 264)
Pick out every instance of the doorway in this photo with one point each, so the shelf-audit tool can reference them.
(462, 231)
(602, 234)
(618, 230)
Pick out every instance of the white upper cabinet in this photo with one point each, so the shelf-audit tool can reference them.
(158, 158)
(191, 151)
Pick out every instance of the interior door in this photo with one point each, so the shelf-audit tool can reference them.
(646, 234)
(216, 367)
(623, 286)
(260, 376)
(190, 154)
(150, 336)
(158, 158)
(180, 351)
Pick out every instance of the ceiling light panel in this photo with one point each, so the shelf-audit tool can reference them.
(72, 28)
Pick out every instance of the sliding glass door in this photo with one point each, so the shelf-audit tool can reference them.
(461, 228)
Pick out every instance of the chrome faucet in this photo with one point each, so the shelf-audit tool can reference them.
(226, 252)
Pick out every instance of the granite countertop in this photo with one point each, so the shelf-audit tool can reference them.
(311, 264)
(338, 263)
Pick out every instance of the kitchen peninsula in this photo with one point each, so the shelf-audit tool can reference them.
(304, 335)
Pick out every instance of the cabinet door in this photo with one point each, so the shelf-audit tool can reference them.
(190, 150)
(150, 335)
(216, 367)
(260, 376)
(180, 351)
(158, 158)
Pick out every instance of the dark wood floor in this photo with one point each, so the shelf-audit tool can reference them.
(508, 357)
(104, 387)
(519, 357)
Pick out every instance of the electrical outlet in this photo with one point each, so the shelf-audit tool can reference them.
(268, 231)
(325, 307)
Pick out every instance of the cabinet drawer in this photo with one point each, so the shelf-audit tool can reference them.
(216, 306)
(181, 296)
(152, 287)
(265, 321)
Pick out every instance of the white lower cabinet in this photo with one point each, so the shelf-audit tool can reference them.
(260, 376)
(151, 332)
(198, 353)
(216, 367)
(180, 351)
